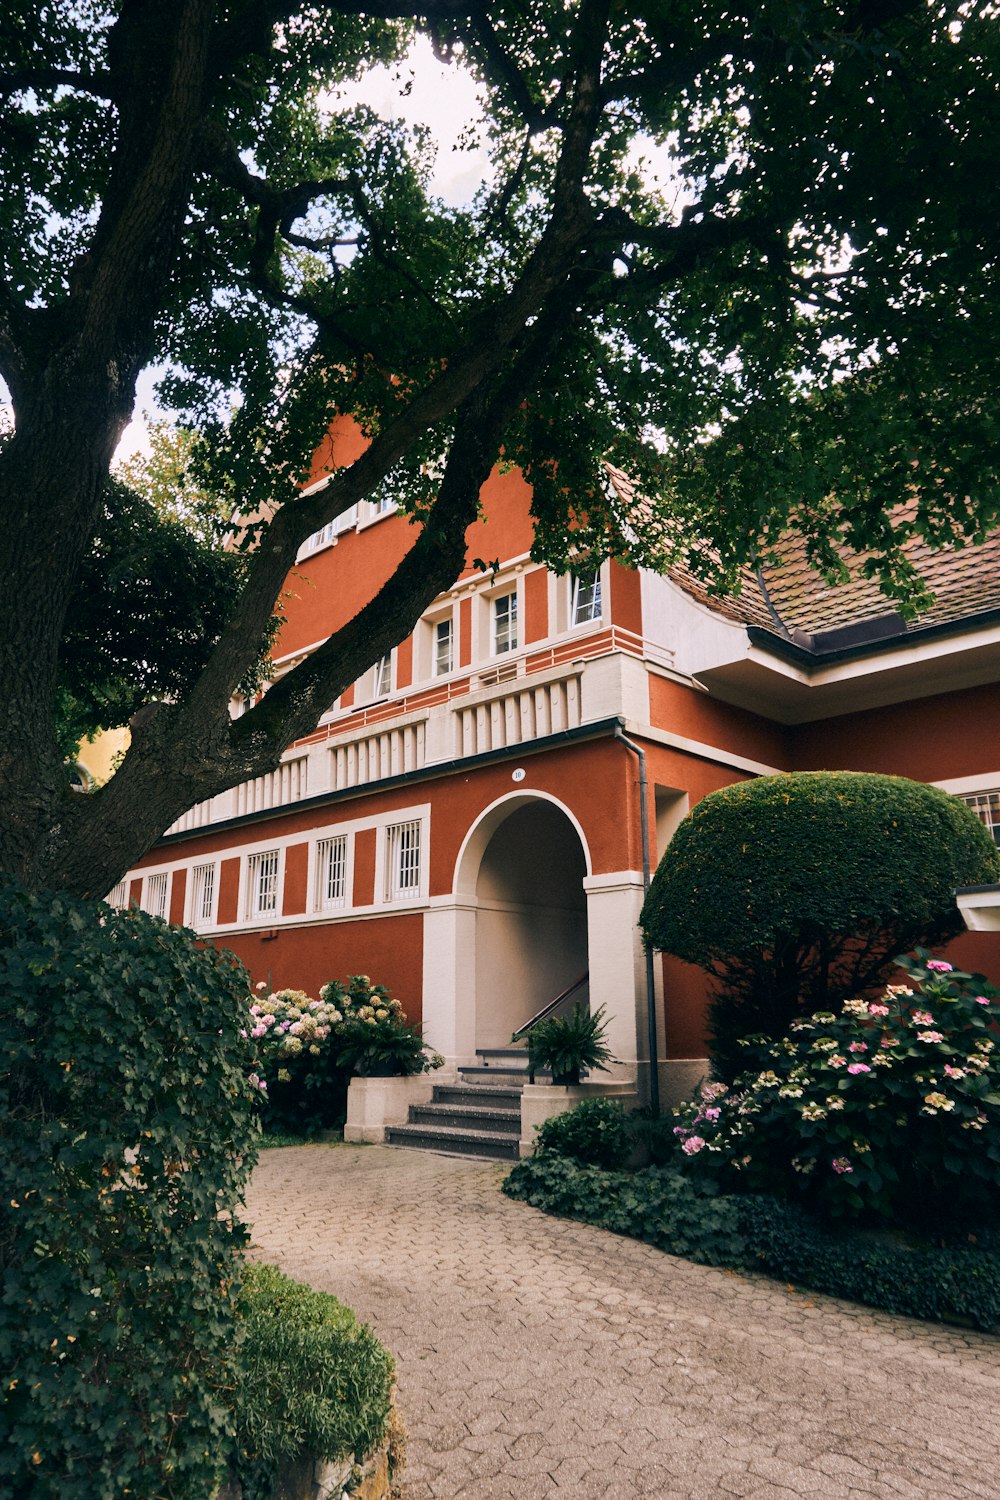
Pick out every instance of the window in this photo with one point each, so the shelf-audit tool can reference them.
(202, 895)
(346, 521)
(331, 873)
(154, 894)
(444, 647)
(382, 677)
(585, 597)
(986, 806)
(504, 623)
(118, 898)
(382, 506)
(402, 861)
(262, 884)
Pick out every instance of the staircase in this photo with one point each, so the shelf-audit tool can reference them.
(478, 1116)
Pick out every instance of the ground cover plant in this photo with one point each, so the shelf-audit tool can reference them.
(795, 892)
(863, 1161)
(312, 1381)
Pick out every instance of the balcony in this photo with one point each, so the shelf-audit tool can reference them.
(535, 696)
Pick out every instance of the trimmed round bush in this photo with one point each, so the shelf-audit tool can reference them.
(795, 891)
(127, 1133)
(312, 1379)
(889, 1111)
(597, 1133)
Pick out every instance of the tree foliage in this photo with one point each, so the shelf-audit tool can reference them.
(796, 891)
(799, 329)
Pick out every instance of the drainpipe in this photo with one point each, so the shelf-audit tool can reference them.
(654, 1073)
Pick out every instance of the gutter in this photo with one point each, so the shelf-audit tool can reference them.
(654, 1070)
(810, 659)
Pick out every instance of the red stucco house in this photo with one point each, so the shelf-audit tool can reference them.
(464, 824)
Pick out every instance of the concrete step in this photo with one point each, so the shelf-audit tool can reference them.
(459, 1142)
(468, 1117)
(510, 1077)
(484, 1096)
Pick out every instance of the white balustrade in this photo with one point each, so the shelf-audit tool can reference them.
(376, 756)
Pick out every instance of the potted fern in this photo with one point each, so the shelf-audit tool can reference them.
(567, 1045)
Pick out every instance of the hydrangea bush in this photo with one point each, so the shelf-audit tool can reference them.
(299, 1070)
(373, 1035)
(890, 1109)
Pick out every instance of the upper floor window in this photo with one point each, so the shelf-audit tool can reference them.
(504, 623)
(585, 596)
(331, 872)
(154, 894)
(382, 677)
(986, 806)
(444, 646)
(262, 884)
(202, 896)
(382, 506)
(402, 861)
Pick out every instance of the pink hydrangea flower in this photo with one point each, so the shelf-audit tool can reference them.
(939, 965)
(842, 1164)
(693, 1144)
(922, 1018)
(929, 1036)
(858, 1047)
(875, 1009)
(711, 1114)
(950, 1072)
(859, 1068)
(981, 1000)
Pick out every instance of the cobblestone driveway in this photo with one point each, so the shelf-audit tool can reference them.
(540, 1358)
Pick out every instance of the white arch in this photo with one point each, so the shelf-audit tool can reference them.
(470, 855)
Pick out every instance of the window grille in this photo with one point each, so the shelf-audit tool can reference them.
(118, 898)
(331, 872)
(154, 894)
(505, 623)
(443, 647)
(262, 884)
(402, 862)
(585, 597)
(202, 895)
(986, 806)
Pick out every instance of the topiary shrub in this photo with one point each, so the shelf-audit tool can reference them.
(312, 1380)
(889, 1111)
(597, 1133)
(127, 1134)
(794, 892)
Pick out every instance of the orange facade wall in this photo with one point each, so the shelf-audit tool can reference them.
(229, 890)
(536, 605)
(682, 710)
(296, 874)
(364, 867)
(304, 958)
(930, 739)
(178, 888)
(626, 598)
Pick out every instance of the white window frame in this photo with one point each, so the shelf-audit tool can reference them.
(257, 863)
(511, 624)
(118, 896)
(203, 881)
(438, 668)
(403, 866)
(985, 803)
(581, 584)
(381, 674)
(322, 899)
(157, 905)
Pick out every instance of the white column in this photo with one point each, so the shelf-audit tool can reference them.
(618, 969)
(449, 980)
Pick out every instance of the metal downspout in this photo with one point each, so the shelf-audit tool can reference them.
(654, 1071)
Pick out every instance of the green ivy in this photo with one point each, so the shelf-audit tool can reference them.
(126, 1138)
(597, 1133)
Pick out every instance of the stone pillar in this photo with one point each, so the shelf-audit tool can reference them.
(618, 970)
(449, 980)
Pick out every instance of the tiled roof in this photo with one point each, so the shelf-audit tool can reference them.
(965, 582)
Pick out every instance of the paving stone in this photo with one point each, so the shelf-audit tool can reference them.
(540, 1359)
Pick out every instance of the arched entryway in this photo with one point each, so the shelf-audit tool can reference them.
(522, 872)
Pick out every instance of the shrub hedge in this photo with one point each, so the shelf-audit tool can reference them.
(126, 1137)
(795, 891)
(312, 1380)
(597, 1133)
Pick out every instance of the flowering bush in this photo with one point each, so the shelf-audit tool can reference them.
(372, 1035)
(299, 1072)
(890, 1108)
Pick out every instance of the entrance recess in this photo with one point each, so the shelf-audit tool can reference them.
(531, 917)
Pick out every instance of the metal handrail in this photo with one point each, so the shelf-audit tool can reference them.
(548, 1008)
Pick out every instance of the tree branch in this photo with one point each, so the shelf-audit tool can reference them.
(101, 85)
